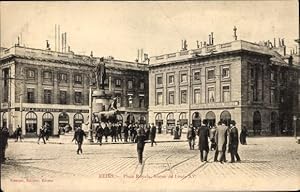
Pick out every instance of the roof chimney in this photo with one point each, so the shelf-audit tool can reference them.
(279, 42)
(47, 45)
(274, 42)
(212, 38)
(209, 39)
(197, 44)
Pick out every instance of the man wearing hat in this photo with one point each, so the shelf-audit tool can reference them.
(78, 137)
(141, 136)
(203, 134)
(191, 135)
(233, 142)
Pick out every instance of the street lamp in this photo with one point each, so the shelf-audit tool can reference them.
(294, 122)
(21, 110)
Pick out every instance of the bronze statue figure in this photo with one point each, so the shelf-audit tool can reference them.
(100, 73)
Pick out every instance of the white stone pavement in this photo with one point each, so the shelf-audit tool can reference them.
(270, 163)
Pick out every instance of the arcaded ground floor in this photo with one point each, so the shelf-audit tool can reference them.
(258, 121)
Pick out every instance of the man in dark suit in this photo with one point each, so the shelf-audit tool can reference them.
(203, 134)
(243, 136)
(152, 134)
(191, 135)
(125, 130)
(42, 134)
(99, 134)
(141, 136)
(78, 137)
(119, 132)
(4, 134)
(19, 133)
(233, 142)
(106, 132)
(113, 132)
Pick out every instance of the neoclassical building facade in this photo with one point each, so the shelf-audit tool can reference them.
(250, 83)
(42, 86)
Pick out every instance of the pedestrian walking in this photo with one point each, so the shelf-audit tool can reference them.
(4, 134)
(134, 133)
(47, 131)
(233, 142)
(106, 132)
(243, 135)
(191, 135)
(78, 137)
(42, 135)
(203, 134)
(141, 136)
(18, 133)
(119, 132)
(147, 127)
(99, 134)
(125, 131)
(212, 134)
(153, 134)
(221, 140)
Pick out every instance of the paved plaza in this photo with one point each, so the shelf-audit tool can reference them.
(268, 163)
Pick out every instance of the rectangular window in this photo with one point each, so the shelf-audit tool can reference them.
(272, 96)
(78, 97)
(63, 77)
(183, 78)
(47, 96)
(63, 97)
(171, 98)
(183, 98)
(78, 79)
(119, 99)
(159, 80)
(30, 95)
(197, 96)
(252, 73)
(130, 101)
(47, 76)
(210, 74)
(142, 85)
(197, 76)
(211, 94)
(118, 82)
(171, 79)
(159, 98)
(141, 102)
(130, 84)
(30, 74)
(225, 72)
(226, 93)
(272, 76)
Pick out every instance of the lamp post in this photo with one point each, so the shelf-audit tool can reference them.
(294, 123)
(21, 110)
(90, 114)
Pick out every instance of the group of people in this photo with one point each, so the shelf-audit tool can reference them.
(128, 133)
(124, 133)
(221, 137)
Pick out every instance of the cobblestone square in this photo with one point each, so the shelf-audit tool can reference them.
(268, 163)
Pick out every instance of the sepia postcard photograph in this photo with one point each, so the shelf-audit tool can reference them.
(168, 96)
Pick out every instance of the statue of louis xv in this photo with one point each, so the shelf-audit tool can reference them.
(100, 73)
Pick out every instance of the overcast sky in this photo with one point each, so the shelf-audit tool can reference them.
(120, 28)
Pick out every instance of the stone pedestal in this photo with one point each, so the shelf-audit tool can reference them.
(101, 101)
